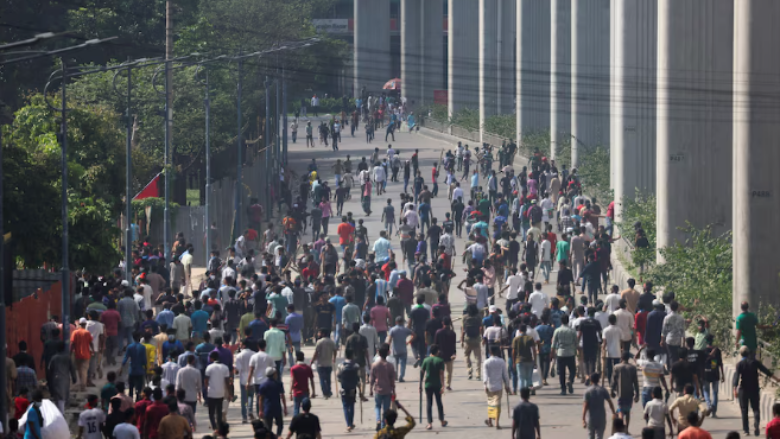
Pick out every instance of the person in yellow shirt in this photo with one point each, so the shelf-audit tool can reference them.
(151, 353)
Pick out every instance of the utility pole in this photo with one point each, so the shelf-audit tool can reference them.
(284, 122)
(208, 172)
(128, 172)
(277, 146)
(268, 204)
(168, 125)
(64, 158)
(240, 141)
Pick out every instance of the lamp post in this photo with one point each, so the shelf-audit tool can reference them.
(268, 204)
(239, 144)
(207, 105)
(128, 169)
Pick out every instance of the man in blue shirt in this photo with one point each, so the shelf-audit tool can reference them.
(136, 354)
(202, 351)
(199, 320)
(424, 210)
(258, 326)
(294, 322)
(474, 183)
(338, 302)
(165, 317)
(655, 322)
(32, 429)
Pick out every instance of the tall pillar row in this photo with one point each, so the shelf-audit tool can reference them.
(756, 152)
(496, 57)
(694, 126)
(372, 45)
(633, 64)
(590, 104)
(422, 50)
(463, 55)
(560, 74)
(532, 59)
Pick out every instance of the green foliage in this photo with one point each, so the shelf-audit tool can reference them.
(96, 164)
(158, 208)
(440, 113)
(594, 172)
(534, 140)
(640, 208)
(699, 271)
(503, 125)
(327, 105)
(467, 118)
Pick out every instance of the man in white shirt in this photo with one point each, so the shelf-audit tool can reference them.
(96, 329)
(189, 379)
(241, 364)
(612, 301)
(217, 382)
(611, 335)
(538, 300)
(457, 192)
(546, 258)
(495, 379)
(412, 219)
(379, 178)
(625, 321)
(390, 153)
(258, 364)
(514, 284)
(90, 420)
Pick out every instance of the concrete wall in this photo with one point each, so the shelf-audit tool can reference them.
(560, 73)
(589, 75)
(507, 36)
(488, 59)
(463, 55)
(533, 65)
(411, 50)
(372, 45)
(634, 30)
(694, 130)
(756, 154)
(432, 74)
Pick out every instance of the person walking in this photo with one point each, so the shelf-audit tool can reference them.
(136, 354)
(713, 375)
(652, 374)
(82, 349)
(594, 417)
(625, 385)
(687, 404)
(746, 387)
(525, 418)
(445, 339)
(270, 396)
(432, 374)
(241, 361)
(495, 380)
(217, 383)
(325, 356)
(382, 384)
(301, 375)
(305, 425)
(564, 347)
(655, 412)
(348, 378)
(398, 338)
(524, 351)
(390, 430)
(471, 340)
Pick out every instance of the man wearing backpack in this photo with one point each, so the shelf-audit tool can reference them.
(348, 377)
(535, 214)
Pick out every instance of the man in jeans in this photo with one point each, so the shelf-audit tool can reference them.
(325, 356)
(747, 389)
(242, 369)
(382, 382)
(564, 346)
(595, 396)
(128, 310)
(652, 374)
(471, 339)
(136, 353)
(397, 338)
(349, 378)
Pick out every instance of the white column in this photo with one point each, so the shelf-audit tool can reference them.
(411, 50)
(694, 110)
(463, 55)
(634, 31)
(533, 65)
(488, 60)
(756, 153)
(590, 47)
(372, 45)
(432, 22)
(560, 75)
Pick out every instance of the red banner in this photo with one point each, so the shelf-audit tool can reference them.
(151, 190)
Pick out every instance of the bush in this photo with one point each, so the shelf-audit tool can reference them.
(327, 105)
(640, 208)
(503, 125)
(699, 271)
(594, 172)
(467, 118)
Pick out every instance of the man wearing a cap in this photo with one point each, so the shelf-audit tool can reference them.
(270, 397)
(305, 424)
(82, 349)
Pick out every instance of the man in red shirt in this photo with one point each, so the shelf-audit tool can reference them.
(81, 348)
(640, 323)
(301, 375)
(346, 233)
(141, 406)
(110, 319)
(154, 414)
(773, 426)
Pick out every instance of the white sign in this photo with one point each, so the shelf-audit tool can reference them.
(331, 25)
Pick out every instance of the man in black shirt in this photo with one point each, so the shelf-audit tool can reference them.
(457, 214)
(565, 279)
(747, 389)
(647, 297)
(417, 323)
(588, 334)
(683, 372)
(432, 326)
(305, 424)
(713, 374)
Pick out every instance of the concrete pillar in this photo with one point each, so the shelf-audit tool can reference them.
(372, 45)
(488, 60)
(756, 153)
(590, 47)
(560, 75)
(507, 30)
(411, 50)
(432, 74)
(694, 128)
(463, 55)
(634, 32)
(533, 64)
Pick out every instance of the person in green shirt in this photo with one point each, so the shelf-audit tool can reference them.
(484, 207)
(432, 374)
(108, 391)
(700, 339)
(562, 249)
(747, 322)
(243, 324)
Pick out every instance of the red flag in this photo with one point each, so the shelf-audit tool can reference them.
(151, 190)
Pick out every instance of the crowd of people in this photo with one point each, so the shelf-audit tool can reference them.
(173, 345)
